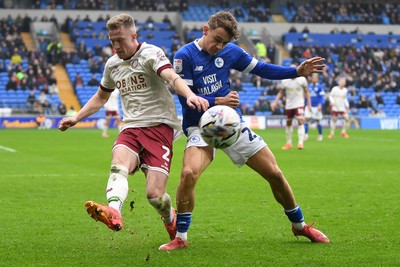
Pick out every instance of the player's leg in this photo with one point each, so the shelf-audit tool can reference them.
(333, 125)
(306, 125)
(195, 161)
(319, 127)
(300, 131)
(345, 124)
(155, 161)
(123, 162)
(118, 122)
(157, 196)
(264, 163)
(288, 130)
(318, 118)
(105, 127)
(307, 120)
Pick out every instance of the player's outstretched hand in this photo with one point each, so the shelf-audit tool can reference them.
(312, 65)
(66, 123)
(197, 102)
(231, 100)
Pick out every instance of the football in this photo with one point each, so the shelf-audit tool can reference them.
(220, 126)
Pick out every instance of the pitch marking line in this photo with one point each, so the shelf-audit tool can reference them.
(8, 149)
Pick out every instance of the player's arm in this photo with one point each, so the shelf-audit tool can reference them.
(332, 98)
(275, 102)
(181, 88)
(347, 105)
(321, 101)
(276, 72)
(307, 96)
(231, 100)
(95, 103)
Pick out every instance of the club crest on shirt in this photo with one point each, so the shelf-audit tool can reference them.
(134, 63)
(194, 139)
(161, 55)
(178, 65)
(219, 62)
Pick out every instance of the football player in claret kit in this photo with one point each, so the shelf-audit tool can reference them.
(112, 111)
(139, 71)
(340, 107)
(295, 90)
(204, 65)
(317, 95)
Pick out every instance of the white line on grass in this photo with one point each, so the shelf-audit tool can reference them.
(375, 139)
(8, 149)
(55, 174)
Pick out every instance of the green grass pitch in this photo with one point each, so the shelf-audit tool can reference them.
(350, 187)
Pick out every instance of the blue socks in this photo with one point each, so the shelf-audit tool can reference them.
(182, 224)
(295, 215)
(183, 221)
(319, 126)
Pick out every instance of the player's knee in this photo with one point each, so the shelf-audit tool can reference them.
(275, 175)
(188, 177)
(119, 169)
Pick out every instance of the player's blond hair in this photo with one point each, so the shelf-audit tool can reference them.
(119, 20)
(225, 20)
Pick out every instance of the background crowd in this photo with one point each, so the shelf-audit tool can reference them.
(363, 67)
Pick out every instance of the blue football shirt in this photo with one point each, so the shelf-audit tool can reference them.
(208, 75)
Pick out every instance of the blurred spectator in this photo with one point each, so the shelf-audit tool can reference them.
(292, 29)
(259, 82)
(78, 81)
(24, 84)
(261, 49)
(175, 46)
(364, 102)
(40, 121)
(16, 58)
(54, 51)
(13, 82)
(42, 98)
(247, 109)
(93, 81)
(53, 88)
(30, 101)
(237, 85)
(71, 112)
(41, 79)
(378, 99)
(380, 113)
(271, 50)
(166, 19)
(47, 107)
(61, 108)
(398, 99)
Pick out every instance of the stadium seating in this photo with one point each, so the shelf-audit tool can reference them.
(379, 40)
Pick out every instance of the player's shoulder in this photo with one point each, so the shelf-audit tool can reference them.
(146, 48)
(232, 50)
(112, 61)
(302, 80)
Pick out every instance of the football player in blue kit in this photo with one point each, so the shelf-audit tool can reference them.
(205, 65)
(317, 95)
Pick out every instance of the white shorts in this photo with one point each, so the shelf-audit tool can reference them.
(248, 144)
(314, 114)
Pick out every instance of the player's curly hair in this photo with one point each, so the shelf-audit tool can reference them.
(225, 19)
(119, 20)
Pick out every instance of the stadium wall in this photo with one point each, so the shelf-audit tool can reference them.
(275, 29)
(61, 15)
(255, 122)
